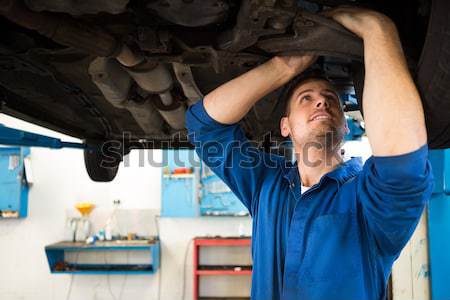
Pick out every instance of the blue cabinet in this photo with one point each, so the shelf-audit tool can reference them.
(179, 196)
(216, 198)
(13, 184)
(179, 191)
(196, 193)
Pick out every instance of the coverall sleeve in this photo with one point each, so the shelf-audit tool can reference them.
(392, 193)
(229, 154)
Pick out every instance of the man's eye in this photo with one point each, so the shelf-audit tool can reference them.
(306, 97)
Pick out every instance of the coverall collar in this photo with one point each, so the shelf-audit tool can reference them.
(340, 174)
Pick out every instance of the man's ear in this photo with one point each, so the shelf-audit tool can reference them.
(284, 127)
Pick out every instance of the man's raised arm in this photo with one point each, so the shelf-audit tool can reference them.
(230, 102)
(394, 117)
(397, 181)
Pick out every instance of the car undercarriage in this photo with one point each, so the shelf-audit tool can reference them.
(126, 71)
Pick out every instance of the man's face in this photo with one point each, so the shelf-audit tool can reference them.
(314, 115)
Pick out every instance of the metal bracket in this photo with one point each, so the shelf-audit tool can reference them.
(252, 19)
(318, 35)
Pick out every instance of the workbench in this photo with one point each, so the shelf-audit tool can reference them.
(56, 256)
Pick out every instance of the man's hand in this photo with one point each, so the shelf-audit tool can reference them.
(295, 64)
(362, 22)
(394, 118)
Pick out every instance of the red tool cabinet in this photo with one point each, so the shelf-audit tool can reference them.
(225, 270)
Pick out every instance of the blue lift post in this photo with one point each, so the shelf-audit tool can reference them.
(439, 226)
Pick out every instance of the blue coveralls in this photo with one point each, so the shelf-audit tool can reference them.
(336, 241)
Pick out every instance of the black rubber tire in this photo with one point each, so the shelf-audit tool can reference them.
(433, 75)
(100, 166)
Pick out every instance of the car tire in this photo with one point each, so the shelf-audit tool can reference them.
(101, 165)
(433, 75)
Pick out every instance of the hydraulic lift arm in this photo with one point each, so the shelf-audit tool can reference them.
(11, 136)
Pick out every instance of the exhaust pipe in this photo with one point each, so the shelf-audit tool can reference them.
(115, 84)
(155, 78)
(173, 112)
(151, 77)
(66, 31)
(69, 32)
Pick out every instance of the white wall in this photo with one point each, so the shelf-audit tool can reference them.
(60, 181)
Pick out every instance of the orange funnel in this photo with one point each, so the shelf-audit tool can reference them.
(84, 208)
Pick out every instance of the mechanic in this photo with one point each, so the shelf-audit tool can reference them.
(324, 228)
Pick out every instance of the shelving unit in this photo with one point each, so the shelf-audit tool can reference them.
(200, 270)
(58, 265)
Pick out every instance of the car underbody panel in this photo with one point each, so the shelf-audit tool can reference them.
(127, 70)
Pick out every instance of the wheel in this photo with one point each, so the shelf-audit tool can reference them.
(101, 162)
(433, 75)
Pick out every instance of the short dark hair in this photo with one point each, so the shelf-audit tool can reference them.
(290, 87)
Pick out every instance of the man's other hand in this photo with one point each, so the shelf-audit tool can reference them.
(362, 22)
(294, 65)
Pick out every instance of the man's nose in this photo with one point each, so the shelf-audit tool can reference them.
(322, 102)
